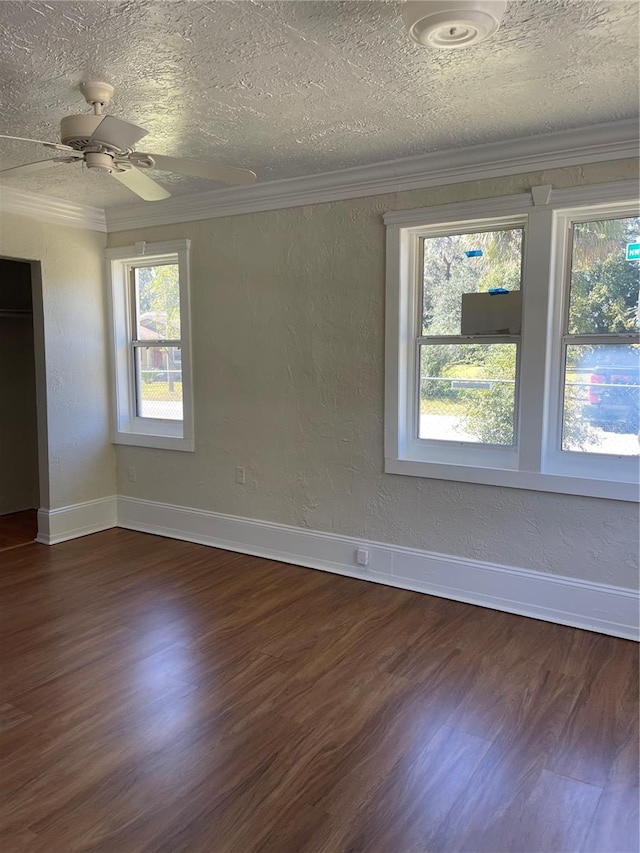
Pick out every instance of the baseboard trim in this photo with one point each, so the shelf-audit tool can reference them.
(75, 520)
(552, 598)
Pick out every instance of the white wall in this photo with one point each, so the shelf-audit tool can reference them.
(77, 457)
(288, 326)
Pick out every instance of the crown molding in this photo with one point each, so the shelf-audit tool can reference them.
(613, 141)
(50, 209)
(610, 193)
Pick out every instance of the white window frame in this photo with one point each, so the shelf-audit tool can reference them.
(535, 461)
(128, 426)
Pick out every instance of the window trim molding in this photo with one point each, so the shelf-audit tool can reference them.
(127, 426)
(534, 463)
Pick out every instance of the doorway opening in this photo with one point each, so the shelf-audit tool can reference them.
(23, 480)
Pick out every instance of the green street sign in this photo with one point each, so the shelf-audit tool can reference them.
(633, 251)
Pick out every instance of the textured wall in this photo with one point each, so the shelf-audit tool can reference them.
(288, 337)
(80, 457)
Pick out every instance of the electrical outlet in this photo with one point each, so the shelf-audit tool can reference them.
(131, 474)
(362, 557)
(240, 475)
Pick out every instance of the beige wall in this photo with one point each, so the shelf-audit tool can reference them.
(288, 340)
(77, 456)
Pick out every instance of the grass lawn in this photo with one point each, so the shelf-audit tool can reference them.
(160, 391)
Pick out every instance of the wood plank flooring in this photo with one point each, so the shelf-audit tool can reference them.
(161, 696)
(18, 528)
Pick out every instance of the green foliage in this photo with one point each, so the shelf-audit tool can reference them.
(604, 299)
(158, 292)
(604, 296)
(158, 304)
(489, 414)
(448, 273)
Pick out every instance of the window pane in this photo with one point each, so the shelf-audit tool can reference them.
(159, 382)
(157, 302)
(604, 284)
(466, 263)
(467, 392)
(601, 396)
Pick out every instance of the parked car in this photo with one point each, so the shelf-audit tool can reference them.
(614, 391)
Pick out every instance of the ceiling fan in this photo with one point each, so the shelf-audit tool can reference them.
(106, 143)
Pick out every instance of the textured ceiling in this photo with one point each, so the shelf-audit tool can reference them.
(296, 88)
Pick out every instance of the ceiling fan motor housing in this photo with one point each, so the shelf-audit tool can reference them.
(77, 131)
(451, 24)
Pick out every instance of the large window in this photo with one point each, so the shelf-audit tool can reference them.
(150, 302)
(512, 342)
(467, 382)
(601, 366)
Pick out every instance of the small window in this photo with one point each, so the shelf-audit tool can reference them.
(150, 300)
(156, 340)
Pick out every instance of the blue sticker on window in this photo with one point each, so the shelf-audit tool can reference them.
(474, 253)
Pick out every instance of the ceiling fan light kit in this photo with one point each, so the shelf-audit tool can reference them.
(101, 162)
(105, 143)
(452, 24)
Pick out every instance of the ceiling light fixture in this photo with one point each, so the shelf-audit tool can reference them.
(452, 24)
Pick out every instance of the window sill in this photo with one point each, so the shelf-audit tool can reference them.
(160, 442)
(530, 480)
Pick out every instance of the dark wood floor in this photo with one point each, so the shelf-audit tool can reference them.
(18, 528)
(161, 696)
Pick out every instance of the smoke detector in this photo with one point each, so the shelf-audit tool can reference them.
(452, 24)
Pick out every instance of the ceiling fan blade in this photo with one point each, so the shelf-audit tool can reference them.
(57, 145)
(141, 184)
(32, 167)
(117, 133)
(197, 169)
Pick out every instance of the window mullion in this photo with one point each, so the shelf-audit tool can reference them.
(533, 396)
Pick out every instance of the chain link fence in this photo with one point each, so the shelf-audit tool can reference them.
(598, 416)
(601, 416)
(475, 410)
